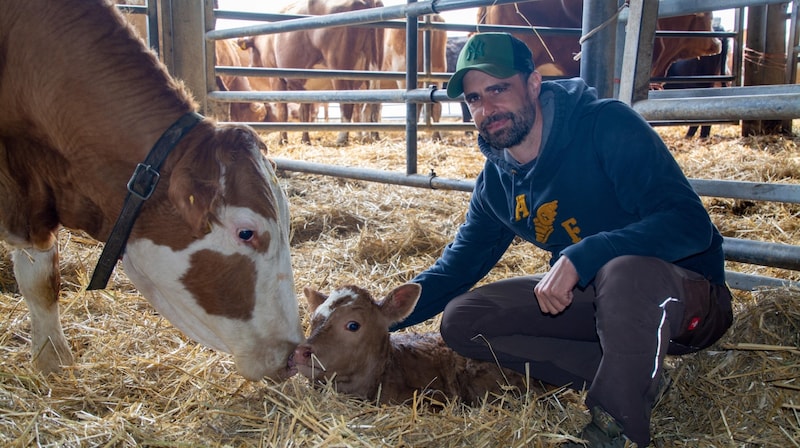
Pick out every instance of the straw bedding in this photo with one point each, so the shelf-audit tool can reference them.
(138, 381)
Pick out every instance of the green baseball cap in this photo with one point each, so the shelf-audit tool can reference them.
(498, 54)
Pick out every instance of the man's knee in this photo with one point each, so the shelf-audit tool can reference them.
(631, 268)
(456, 325)
(631, 289)
(460, 327)
(637, 276)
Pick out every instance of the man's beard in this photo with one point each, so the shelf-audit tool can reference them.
(521, 124)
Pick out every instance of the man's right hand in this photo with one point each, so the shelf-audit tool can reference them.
(554, 292)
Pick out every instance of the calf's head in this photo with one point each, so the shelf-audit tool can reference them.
(348, 342)
(210, 250)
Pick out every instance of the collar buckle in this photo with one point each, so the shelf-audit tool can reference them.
(143, 181)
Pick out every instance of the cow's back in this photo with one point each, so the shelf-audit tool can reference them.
(98, 74)
(553, 55)
(92, 54)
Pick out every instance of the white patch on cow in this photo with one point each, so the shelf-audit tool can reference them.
(327, 307)
(156, 270)
(222, 172)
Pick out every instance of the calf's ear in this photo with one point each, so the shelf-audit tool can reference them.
(400, 302)
(314, 298)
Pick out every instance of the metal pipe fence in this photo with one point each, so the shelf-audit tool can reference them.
(763, 102)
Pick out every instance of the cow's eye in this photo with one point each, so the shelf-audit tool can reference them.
(353, 326)
(246, 235)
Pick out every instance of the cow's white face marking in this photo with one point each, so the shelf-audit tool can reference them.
(335, 299)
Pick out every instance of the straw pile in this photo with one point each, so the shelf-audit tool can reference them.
(138, 381)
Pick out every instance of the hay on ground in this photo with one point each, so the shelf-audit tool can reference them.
(138, 381)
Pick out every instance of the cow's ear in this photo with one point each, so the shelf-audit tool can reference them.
(314, 298)
(194, 187)
(400, 302)
(245, 43)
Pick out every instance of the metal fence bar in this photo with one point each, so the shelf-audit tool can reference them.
(727, 91)
(726, 107)
(364, 127)
(753, 191)
(430, 181)
(671, 8)
(370, 15)
(751, 282)
(777, 255)
(328, 96)
(397, 24)
(359, 75)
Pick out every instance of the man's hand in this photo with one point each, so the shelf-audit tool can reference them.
(554, 292)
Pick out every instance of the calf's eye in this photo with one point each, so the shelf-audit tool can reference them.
(353, 326)
(246, 235)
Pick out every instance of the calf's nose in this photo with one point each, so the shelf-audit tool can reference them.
(302, 352)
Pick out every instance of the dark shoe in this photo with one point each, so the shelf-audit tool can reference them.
(602, 432)
(605, 432)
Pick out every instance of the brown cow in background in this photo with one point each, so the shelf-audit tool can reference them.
(339, 48)
(227, 54)
(668, 50)
(259, 51)
(554, 55)
(394, 60)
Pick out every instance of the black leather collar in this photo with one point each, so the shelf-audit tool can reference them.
(140, 187)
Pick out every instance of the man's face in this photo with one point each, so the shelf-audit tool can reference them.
(503, 109)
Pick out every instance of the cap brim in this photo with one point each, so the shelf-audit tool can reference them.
(455, 86)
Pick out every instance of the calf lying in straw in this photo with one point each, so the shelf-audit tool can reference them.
(350, 346)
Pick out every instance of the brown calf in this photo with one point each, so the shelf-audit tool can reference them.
(350, 346)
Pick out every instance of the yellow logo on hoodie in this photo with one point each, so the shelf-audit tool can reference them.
(543, 222)
(521, 211)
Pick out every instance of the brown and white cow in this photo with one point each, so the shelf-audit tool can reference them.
(349, 345)
(82, 102)
(667, 50)
(227, 53)
(394, 60)
(554, 55)
(259, 51)
(337, 48)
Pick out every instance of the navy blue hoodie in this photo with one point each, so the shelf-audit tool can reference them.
(604, 185)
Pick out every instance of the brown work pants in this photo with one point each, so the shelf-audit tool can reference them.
(612, 339)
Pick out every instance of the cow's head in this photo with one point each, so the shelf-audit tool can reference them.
(210, 250)
(348, 341)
